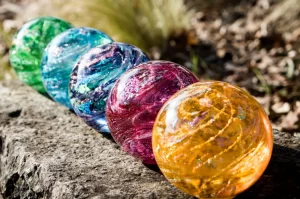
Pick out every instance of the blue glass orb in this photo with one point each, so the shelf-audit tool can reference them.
(93, 77)
(61, 55)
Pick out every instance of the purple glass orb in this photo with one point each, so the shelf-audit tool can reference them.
(136, 99)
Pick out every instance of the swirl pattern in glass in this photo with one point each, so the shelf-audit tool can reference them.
(93, 77)
(212, 140)
(28, 46)
(61, 55)
(135, 100)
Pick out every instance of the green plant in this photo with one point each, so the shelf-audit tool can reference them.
(262, 80)
(6, 71)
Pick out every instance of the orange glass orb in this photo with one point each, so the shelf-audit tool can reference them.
(212, 140)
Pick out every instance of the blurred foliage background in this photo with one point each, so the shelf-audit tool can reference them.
(146, 24)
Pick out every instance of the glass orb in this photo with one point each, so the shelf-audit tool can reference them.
(93, 77)
(61, 55)
(135, 101)
(212, 140)
(28, 46)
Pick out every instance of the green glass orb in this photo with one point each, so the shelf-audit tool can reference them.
(28, 47)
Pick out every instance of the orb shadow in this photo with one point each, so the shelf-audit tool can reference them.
(281, 179)
(108, 136)
(46, 95)
(153, 167)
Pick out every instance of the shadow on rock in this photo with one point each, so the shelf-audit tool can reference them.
(281, 178)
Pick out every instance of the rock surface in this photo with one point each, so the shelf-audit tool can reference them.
(46, 151)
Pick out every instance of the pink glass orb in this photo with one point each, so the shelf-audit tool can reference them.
(136, 99)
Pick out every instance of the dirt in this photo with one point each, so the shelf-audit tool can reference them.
(243, 42)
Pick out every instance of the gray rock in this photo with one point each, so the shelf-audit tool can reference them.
(46, 151)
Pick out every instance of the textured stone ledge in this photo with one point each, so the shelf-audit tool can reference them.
(48, 152)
